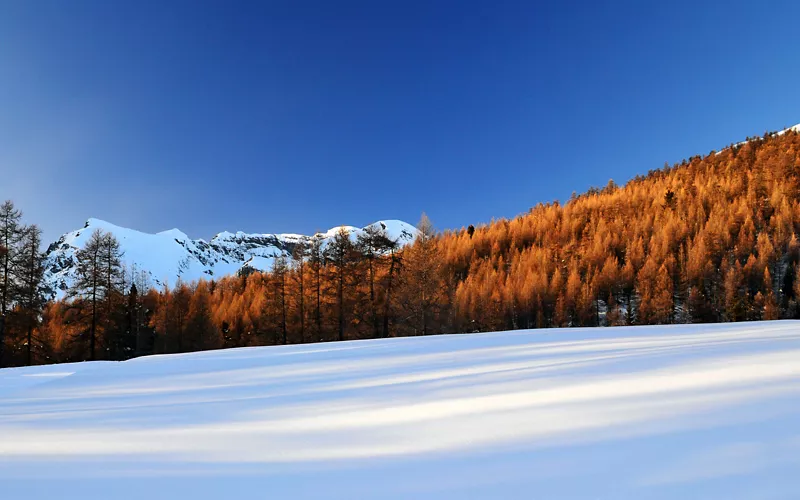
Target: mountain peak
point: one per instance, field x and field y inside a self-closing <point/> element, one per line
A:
<point x="93" y="222"/>
<point x="174" y="233"/>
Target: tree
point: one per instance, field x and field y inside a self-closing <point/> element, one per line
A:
<point x="279" y="271"/>
<point x="371" y="242"/>
<point x="203" y="332"/>
<point x="30" y="273"/>
<point x="339" y="254"/>
<point x="735" y="296"/>
<point x="115" y="314"/>
<point x="421" y="278"/>
<point x="130" y="340"/>
<point x="160" y="320"/>
<point x="10" y="234"/>
<point x="96" y="279"/>
<point x="181" y="298"/>
<point x="395" y="263"/>
<point x="771" y="309"/>
<point x="299" y="255"/>
<point x="662" y="300"/>
<point x="797" y="289"/>
<point x="669" y="200"/>
<point x="316" y="259"/>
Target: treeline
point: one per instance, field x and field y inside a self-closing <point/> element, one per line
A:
<point x="710" y="239"/>
<point x="350" y="287"/>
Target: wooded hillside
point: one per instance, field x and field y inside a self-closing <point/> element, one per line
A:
<point x="711" y="239"/>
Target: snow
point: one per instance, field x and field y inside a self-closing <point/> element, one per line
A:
<point x="162" y="255"/>
<point x="169" y="255"/>
<point x="796" y="128"/>
<point x="174" y="233"/>
<point x="689" y="411"/>
<point x="260" y="263"/>
<point x="15" y="380"/>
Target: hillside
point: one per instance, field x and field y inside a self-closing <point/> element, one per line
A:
<point x="709" y="239"/>
<point x="618" y="413"/>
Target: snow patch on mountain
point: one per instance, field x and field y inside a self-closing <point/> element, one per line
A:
<point x="168" y="256"/>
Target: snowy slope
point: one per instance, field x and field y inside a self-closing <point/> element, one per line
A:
<point x="701" y="411"/>
<point x="168" y="255"/>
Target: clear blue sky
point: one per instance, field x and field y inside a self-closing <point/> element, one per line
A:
<point x="295" y="116"/>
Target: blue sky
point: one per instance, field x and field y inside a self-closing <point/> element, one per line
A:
<point x="298" y="116"/>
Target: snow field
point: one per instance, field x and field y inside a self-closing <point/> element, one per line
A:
<point x="682" y="411"/>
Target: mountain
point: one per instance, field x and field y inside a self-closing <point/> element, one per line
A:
<point x="169" y="255"/>
<point x="712" y="238"/>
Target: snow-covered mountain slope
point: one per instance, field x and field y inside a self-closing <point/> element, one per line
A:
<point x="166" y="256"/>
<point x="666" y="412"/>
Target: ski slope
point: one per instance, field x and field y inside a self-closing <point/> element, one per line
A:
<point x="694" y="411"/>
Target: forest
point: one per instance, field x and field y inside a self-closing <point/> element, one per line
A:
<point x="710" y="239"/>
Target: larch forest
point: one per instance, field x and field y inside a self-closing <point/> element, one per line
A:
<point x="711" y="239"/>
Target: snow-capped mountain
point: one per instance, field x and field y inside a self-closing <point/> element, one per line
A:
<point x="169" y="255"/>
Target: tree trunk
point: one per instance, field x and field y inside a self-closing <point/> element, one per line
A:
<point x="387" y="303"/>
<point x="93" y="327"/>
<point x="4" y="299"/>
<point x="319" y="303"/>
<point x="2" y="336"/>
<point x="283" y="305"/>
<point x="302" y="305"/>
<point x="340" y="303"/>
<point x="373" y="307"/>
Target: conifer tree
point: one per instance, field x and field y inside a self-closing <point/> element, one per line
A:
<point x="797" y="289"/>
<point x="735" y="300"/>
<point x="339" y="255"/>
<point x="279" y="272"/>
<point x="299" y="256"/>
<point x="181" y="297"/>
<point x="395" y="264"/>
<point x="662" y="300"/>
<point x="160" y="321"/>
<point x="771" y="310"/>
<point x="31" y="294"/>
<point x="371" y="243"/>
<point x="10" y="234"/>
<point x="130" y="341"/>
<point x="204" y="334"/>
<point x="315" y="261"/>
<point x="421" y="279"/>
<point x="114" y="282"/>
<point x="96" y="279"/>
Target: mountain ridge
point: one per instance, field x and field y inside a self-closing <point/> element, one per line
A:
<point x="165" y="257"/>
